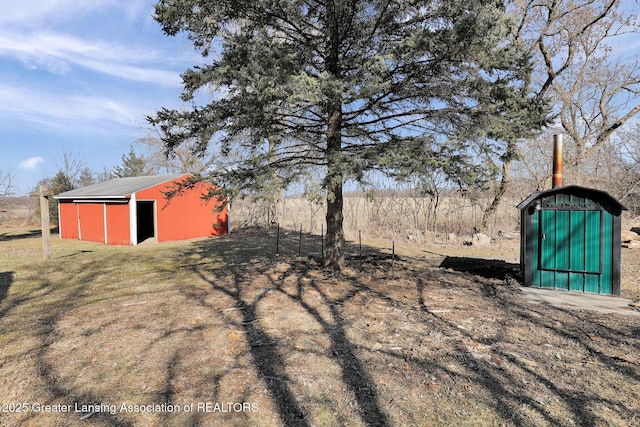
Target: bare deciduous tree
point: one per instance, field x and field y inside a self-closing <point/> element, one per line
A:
<point x="592" y="89"/>
<point x="623" y="167"/>
<point x="6" y="183"/>
<point x="70" y="169"/>
<point x="184" y="158"/>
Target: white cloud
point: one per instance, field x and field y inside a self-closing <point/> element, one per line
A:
<point x="75" y="67"/>
<point x="64" y="36"/>
<point x="56" y="53"/>
<point x="55" y="110"/>
<point x="133" y="73"/>
<point x="31" y="164"/>
<point x="36" y="13"/>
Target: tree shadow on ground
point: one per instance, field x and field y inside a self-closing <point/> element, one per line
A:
<point x="486" y="268"/>
<point x="489" y="283"/>
<point x="265" y="349"/>
<point x="579" y="330"/>
<point x="448" y="336"/>
<point x="6" y="279"/>
<point x="47" y="303"/>
<point x="6" y="237"/>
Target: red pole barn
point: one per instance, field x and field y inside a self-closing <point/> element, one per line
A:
<point x="128" y="211"/>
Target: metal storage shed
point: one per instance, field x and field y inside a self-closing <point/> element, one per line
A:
<point x="127" y="211"/>
<point x="570" y="240"/>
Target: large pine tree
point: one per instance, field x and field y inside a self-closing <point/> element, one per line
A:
<point x="345" y="86"/>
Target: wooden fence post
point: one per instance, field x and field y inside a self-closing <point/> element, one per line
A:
<point x="44" y="220"/>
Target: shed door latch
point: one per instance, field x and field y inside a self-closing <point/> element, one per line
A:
<point x="544" y="236"/>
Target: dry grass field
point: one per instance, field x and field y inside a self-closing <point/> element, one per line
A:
<point x="390" y="216"/>
<point x="221" y="332"/>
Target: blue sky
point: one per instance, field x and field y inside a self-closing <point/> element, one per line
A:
<point x="79" y="77"/>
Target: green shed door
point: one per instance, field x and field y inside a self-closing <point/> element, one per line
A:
<point x="570" y="249"/>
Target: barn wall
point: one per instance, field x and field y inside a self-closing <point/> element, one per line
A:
<point x="68" y="218"/>
<point x="91" y="221"/>
<point x="118" y="224"/>
<point x="186" y="215"/>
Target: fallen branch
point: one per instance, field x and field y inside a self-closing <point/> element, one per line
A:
<point x="134" y="303"/>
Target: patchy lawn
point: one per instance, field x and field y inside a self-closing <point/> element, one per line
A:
<point x="220" y="332"/>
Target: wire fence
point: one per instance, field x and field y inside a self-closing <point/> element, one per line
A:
<point x="296" y="242"/>
<point x="390" y="218"/>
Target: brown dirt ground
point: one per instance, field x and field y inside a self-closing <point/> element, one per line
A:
<point x="440" y="336"/>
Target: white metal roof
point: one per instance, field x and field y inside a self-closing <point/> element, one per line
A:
<point x="118" y="188"/>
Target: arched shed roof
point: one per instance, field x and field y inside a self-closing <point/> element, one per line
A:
<point x="604" y="199"/>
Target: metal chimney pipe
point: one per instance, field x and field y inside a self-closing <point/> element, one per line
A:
<point x="557" y="180"/>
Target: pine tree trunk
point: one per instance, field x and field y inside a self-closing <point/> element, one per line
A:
<point x="275" y="198"/>
<point x="334" y="257"/>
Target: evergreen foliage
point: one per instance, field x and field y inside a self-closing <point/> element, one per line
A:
<point x="60" y="183"/>
<point x="348" y="87"/>
<point x="132" y="165"/>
